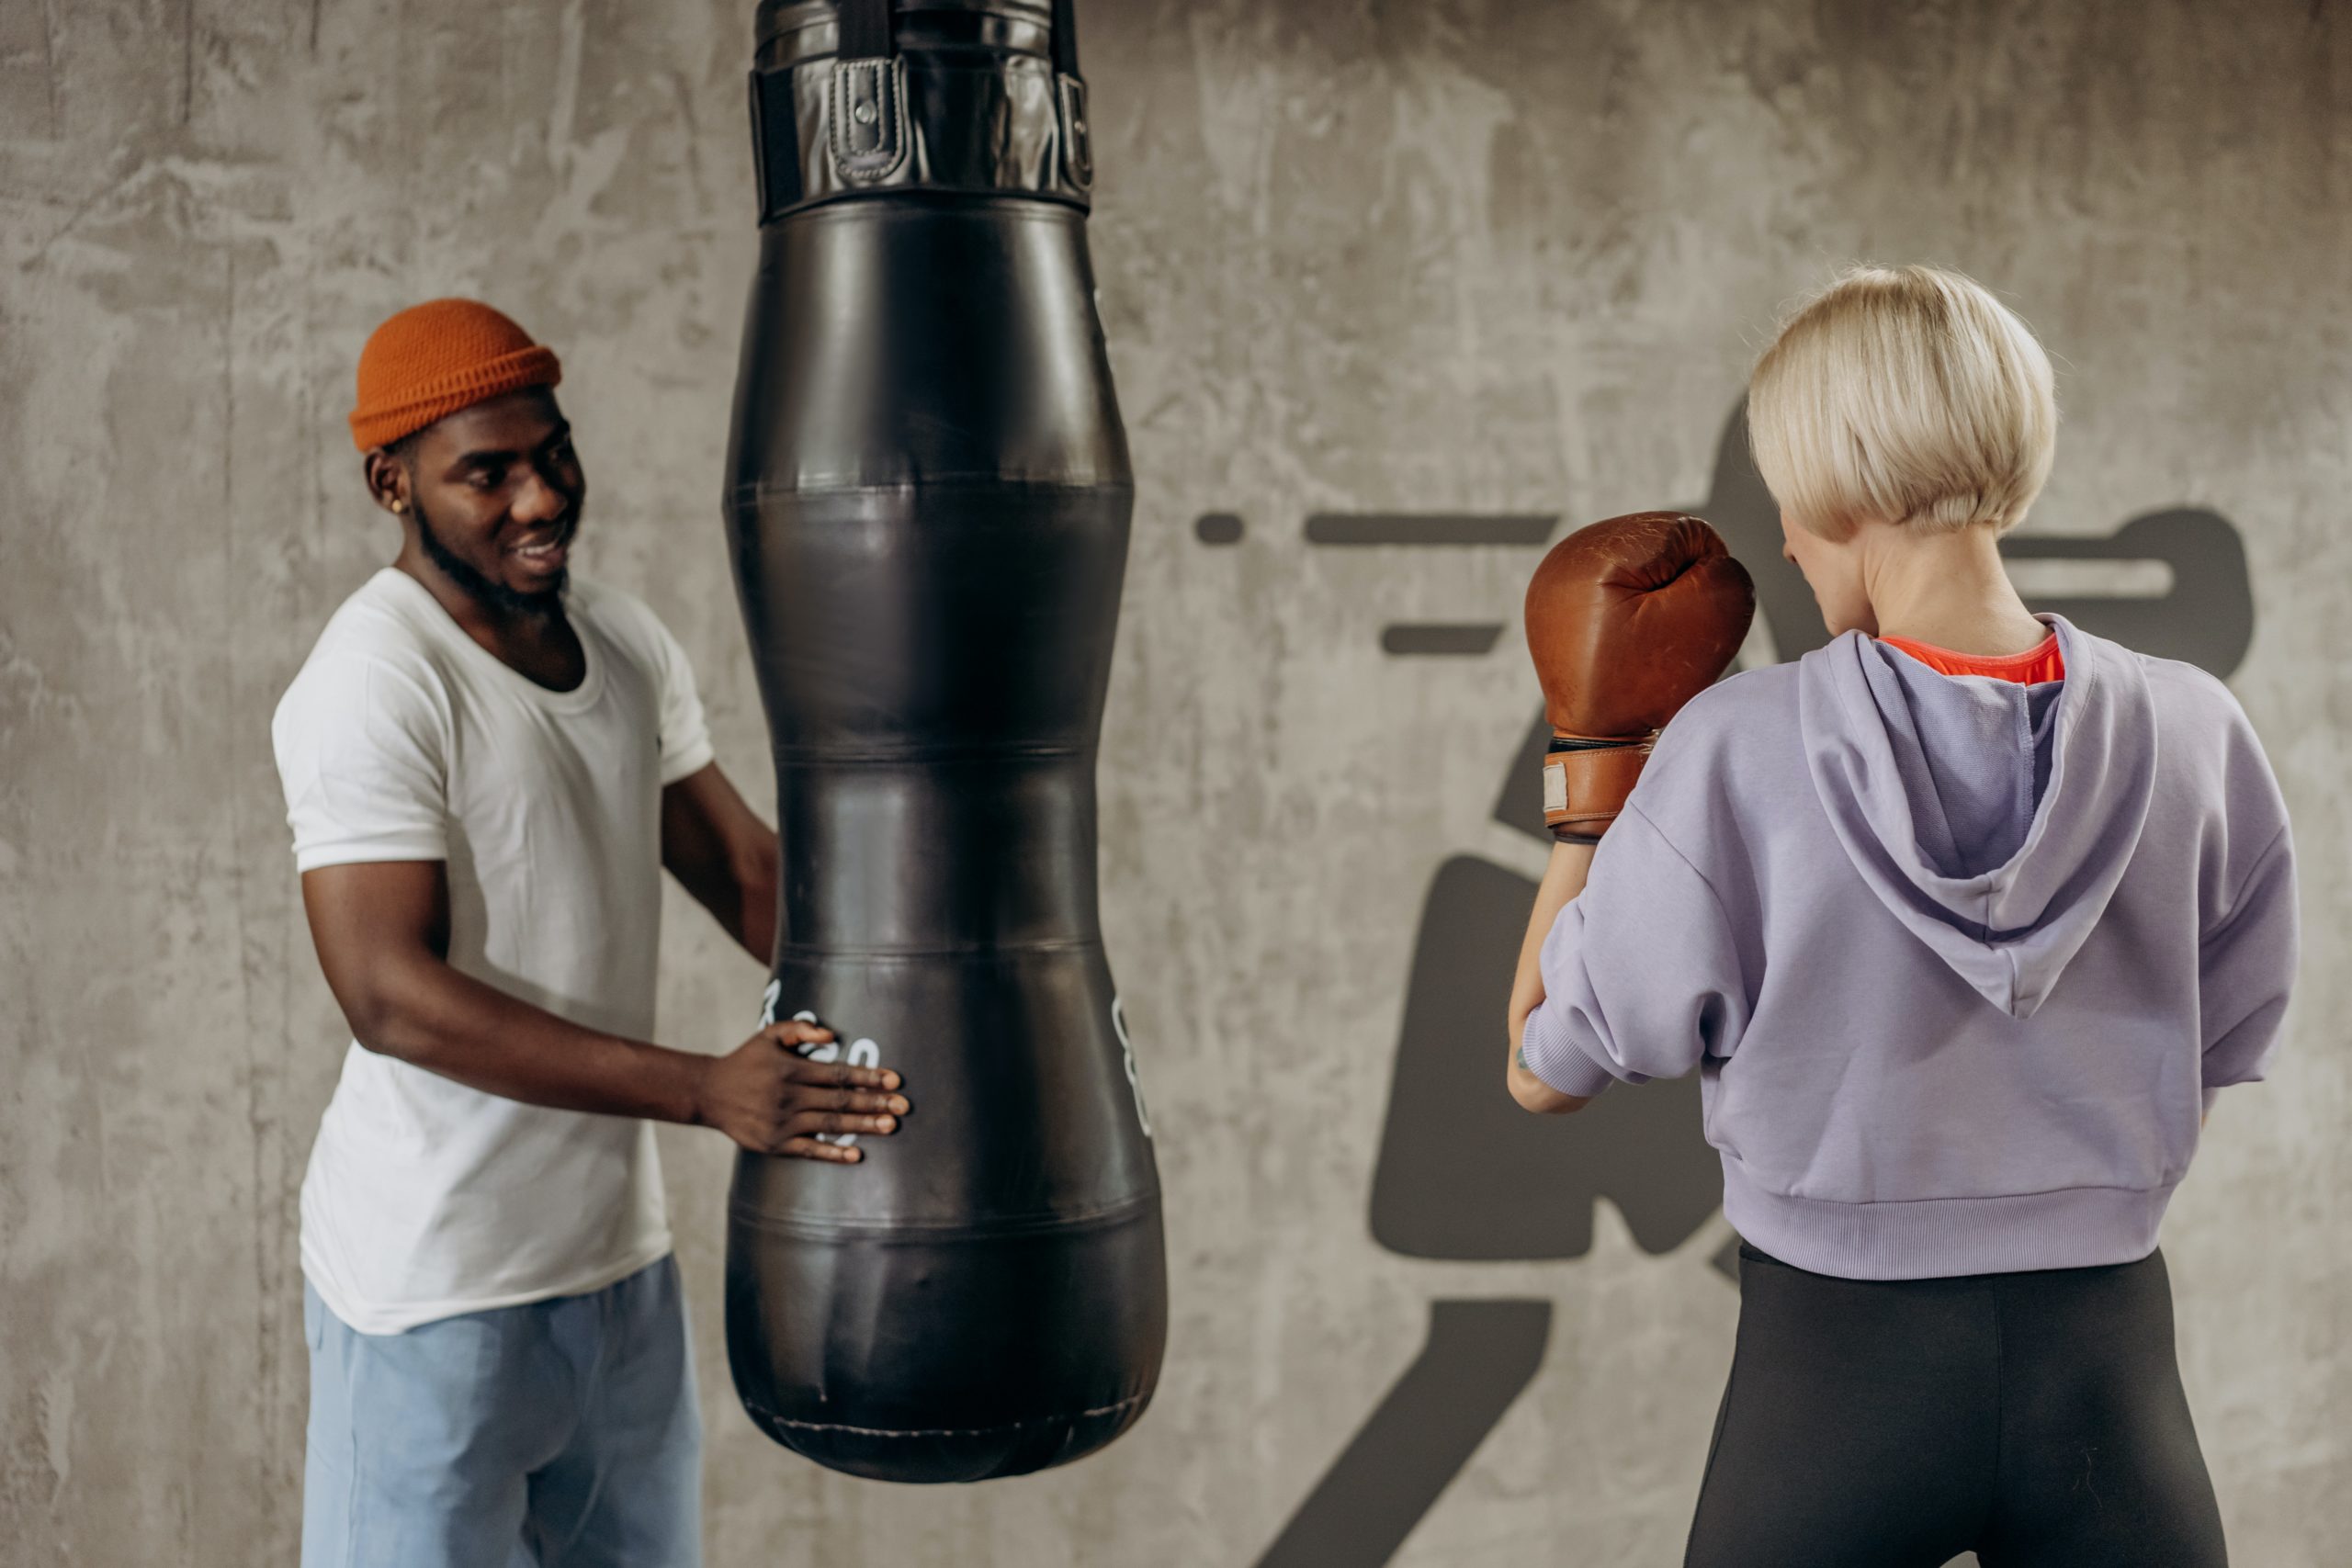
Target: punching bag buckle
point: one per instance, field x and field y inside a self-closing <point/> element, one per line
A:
<point x="868" y="118"/>
<point x="1078" y="139"/>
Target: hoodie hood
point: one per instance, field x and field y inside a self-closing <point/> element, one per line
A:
<point x="1993" y="819"/>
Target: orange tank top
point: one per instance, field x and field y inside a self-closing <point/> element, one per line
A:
<point x="2040" y="662"/>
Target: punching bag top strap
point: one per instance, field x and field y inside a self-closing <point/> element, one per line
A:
<point x="865" y="31"/>
<point x="858" y="99"/>
<point x="868" y="115"/>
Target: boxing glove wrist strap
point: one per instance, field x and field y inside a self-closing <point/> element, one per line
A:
<point x="1585" y="781"/>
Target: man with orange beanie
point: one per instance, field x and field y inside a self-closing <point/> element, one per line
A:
<point x="487" y="765"/>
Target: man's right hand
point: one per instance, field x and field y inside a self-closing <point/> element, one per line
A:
<point x="773" y="1101"/>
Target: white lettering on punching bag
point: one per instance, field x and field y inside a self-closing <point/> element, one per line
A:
<point x="863" y="1052"/>
<point x="1127" y="1049"/>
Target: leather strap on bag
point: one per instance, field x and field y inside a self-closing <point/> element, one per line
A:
<point x="866" y="118"/>
<point x="854" y="108"/>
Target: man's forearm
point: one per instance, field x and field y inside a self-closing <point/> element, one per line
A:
<point x="725" y="856"/>
<point x="740" y="897"/>
<point x="432" y="1016"/>
<point x="754" y="926"/>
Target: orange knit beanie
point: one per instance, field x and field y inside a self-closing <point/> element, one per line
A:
<point x="433" y="359"/>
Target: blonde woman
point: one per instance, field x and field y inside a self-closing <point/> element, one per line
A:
<point x="1963" y="919"/>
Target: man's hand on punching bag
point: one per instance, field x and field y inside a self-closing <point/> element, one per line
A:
<point x="773" y="1101"/>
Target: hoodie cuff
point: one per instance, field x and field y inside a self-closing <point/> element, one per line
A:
<point x="1554" y="1056"/>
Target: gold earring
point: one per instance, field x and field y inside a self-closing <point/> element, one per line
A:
<point x="399" y="507"/>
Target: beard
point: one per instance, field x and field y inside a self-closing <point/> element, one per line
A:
<point x="490" y="595"/>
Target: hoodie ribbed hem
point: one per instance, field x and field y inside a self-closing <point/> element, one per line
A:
<point x="1553" y="1054"/>
<point x="2077" y="1228"/>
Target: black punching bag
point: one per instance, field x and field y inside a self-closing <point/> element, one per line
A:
<point x="928" y="495"/>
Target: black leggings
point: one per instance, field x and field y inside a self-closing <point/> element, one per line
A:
<point x="2036" y="1419"/>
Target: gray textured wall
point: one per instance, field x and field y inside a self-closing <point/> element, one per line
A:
<point x="1353" y="257"/>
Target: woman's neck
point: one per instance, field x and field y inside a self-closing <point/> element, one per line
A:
<point x="1948" y="590"/>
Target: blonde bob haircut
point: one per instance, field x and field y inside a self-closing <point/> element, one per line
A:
<point x="1907" y="394"/>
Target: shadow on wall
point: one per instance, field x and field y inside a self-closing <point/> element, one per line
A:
<point x="1639" y="1148"/>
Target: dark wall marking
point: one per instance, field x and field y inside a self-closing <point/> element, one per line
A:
<point x="2206" y="619"/>
<point x="1464" y="1172"/>
<point x="1477" y="1358"/>
<point x="1428" y="528"/>
<point x="1438" y="638"/>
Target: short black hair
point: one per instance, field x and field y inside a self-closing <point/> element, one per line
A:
<point x="403" y="451"/>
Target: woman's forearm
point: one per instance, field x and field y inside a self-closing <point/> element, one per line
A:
<point x="1564" y="878"/>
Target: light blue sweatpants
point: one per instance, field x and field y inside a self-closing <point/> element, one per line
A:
<point x="561" y="1434"/>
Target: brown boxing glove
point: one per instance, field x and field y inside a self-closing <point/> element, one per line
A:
<point x="1627" y="620"/>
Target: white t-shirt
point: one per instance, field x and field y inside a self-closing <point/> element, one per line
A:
<point x="404" y="739"/>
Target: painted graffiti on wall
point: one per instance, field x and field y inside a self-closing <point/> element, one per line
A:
<point x="2171" y="582"/>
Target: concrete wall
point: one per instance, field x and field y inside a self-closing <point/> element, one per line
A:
<point x="1462" y="257"/>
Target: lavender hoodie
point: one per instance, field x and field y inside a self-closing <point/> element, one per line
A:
<point x="1961" y="962"/>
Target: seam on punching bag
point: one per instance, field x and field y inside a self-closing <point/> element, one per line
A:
<point x="930" y="484"/>
<point x="903" y="200"/>
<point x="885" y="952"/>
<point x="920" y="204"/>
<point x="974" y="750"/>
<point x="928" y="1232"/>
<point x="1132" y="1401"/>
